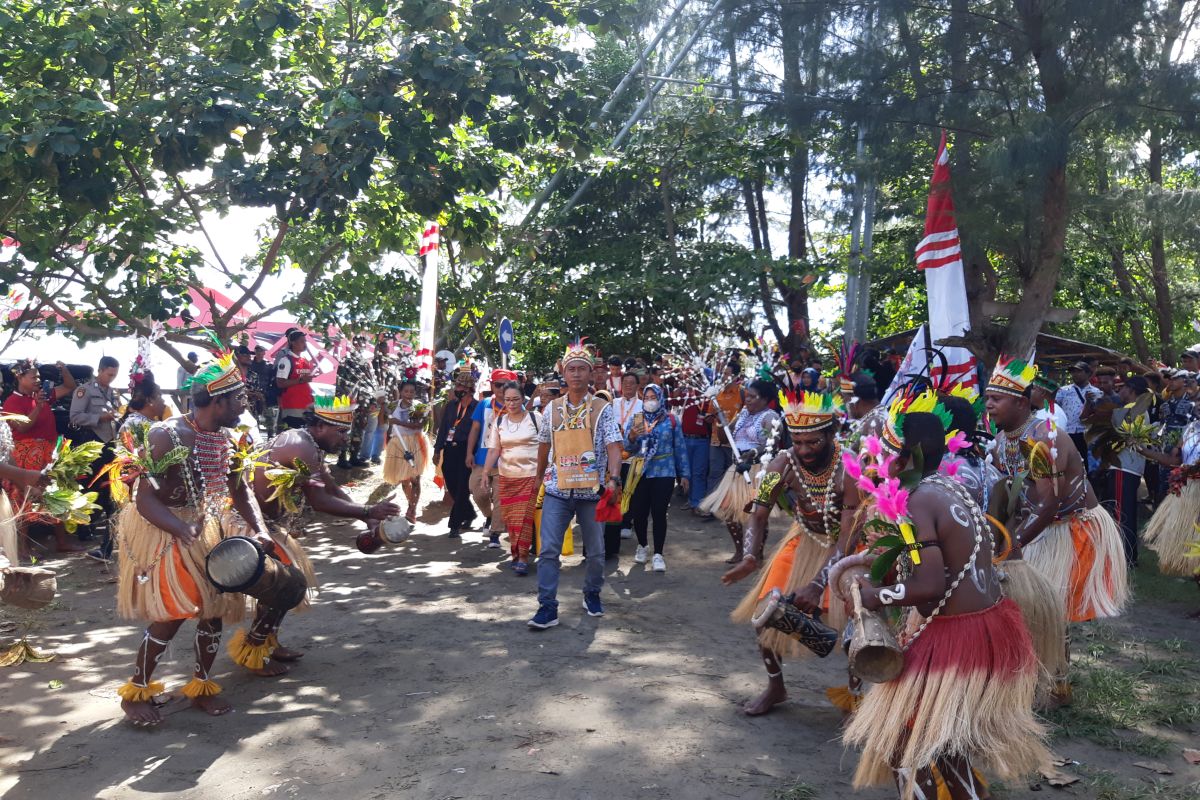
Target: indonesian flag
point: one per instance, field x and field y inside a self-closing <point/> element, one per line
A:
<point x="939" y="256"/>
<point x="429" y="286"/>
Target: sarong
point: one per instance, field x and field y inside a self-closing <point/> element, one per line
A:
<point x="176" y="585"/>
<point x="966" y="690"/>
<point x="396" y="468"/>
<point x="1083" y="558"/>
<point x="516" y="506"/>
<point x="791" y="566"/>
<point x="31" y="454"/>
<point x="1172" y="530"/>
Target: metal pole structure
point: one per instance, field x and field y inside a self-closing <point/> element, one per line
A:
<point x="617" y="93"/>
<point x="854" y="264"/>
<point x="864" y="274"/>
<point x="638" y="112"/>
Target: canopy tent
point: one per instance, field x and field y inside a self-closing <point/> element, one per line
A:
<point x="1054" y="352"/>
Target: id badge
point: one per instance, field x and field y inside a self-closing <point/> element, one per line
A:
<point x="450" y="433"/>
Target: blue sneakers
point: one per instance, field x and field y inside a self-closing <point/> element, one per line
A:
<point x="591" y="604"/>
<point x="546" y="617"/>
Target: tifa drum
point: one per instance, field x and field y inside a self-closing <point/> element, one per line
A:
<point x="776" y="611"/>
<point x="239" y="564"/>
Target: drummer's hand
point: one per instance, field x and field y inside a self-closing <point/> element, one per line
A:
<point x="869" y="593"/>
<point x="808" y="599"/>
<point x="266" y="543"/>
<point x="740" y="570"/>
<point x="382" y="511"/>
<point x="188" y="533"/>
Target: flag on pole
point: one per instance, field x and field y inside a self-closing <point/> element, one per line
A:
<point x="939" y="256"/>
<point x="429" y="283"/>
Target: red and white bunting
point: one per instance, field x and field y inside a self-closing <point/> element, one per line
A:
<point x="430" y="239"/>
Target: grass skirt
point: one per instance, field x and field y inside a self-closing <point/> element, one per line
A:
<point x="728" y="501"/>
<point x="1083" y="558"/>
<point x="177" y="585"/>
<point x="1172" y="529"/>
<point x="966" y="690"/>
<point x="396" y="469"/>
<point x="791" y="565"/>
<point x="1045" y="617"/>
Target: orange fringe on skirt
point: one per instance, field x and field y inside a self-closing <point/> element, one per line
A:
<point x="176" y="585"/>
<point x="1083" y="558"/>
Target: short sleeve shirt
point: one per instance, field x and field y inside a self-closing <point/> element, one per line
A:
<point x="42" y="428"/>
<point x="484" y="415"/>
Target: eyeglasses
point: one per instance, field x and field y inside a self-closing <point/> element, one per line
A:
<point x="513" y="399"/>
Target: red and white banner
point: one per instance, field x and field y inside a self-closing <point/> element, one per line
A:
<point x="430" y="240"/>
<point x="939" y="256"/>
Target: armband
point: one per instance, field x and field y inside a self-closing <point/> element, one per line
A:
<point x="766" y="488"/>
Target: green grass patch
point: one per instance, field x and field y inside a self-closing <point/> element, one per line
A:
<point x="798" y="790"/>
<point x="1126" y="691"/>
<point x="1107" y="786"/>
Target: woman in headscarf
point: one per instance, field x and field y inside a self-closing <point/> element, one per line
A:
<point x="655" y="436"/>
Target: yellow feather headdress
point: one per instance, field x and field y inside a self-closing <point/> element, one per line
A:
<point x="809" y="411"/>
<point x="335" y="410"/>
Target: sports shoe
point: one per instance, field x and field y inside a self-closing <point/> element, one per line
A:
<point x="494" y="541"/>
<point x="626" y="533"/>
<point x="658" y="563"/>
<point x="591" y="603"/>
<point x="546" y="617"/>
<point x="487" y="529"/>
<point x="639" y="557"/>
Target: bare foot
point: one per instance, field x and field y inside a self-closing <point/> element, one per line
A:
<point x="773" y="696"/>
<point x="272" y="669"/>
<point x="281" y="653"/>
<point x="213" y="705"/>
<point x="142" y="715"/>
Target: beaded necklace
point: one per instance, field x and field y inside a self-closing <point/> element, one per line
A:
<point x="212" y="458"/>
<point x="819" y="487"/>
<point x="1013" y="460"/>
<point x="980" y="525"/>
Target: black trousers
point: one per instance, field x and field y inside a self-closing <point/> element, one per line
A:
<point x="612" y="530"/>
<point x="1123" y="489"/>
<point x="458" y="482"/>
<point x="651" y="500"/>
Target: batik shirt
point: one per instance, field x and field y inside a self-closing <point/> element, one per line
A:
<point x="1071" y="400"/>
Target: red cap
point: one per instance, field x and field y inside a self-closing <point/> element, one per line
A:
<point x="501" y="375"/>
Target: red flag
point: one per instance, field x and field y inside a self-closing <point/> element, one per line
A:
<point x="939" y="256"/>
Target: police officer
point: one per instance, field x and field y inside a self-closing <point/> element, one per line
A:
<point x="94" y="414"/>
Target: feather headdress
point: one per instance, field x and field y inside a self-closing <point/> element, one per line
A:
<point x="844" y="358"/>
<point x="335" y="410"/>
<point x="578" y="351"/>
<point x="1012" y="376"/>
<point x="809" y="411"/>
<point x="218" y="376"/>
<point x="925" y="402"/>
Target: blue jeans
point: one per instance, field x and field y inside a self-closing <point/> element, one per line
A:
<point x="556" y="516"/>
<point x="697" y="450"/>
<point x="367" y="451"/>
<point x="720" y="459"/>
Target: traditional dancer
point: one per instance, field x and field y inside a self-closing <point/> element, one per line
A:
<point x="1171" y="532"/>
<point x="752" y="429"/>
<point x="807" y="481"/>
<point x="326" y="431"/>
<point x="965" y="694"/>
<point x="1058" y="527"/>
<point x="407" y="452"/>
<point x="166" y="533"/>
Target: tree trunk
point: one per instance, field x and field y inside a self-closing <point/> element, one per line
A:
<point x="794" y="294"/>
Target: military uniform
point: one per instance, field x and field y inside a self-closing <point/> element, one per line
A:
<point x="90" y="401"/>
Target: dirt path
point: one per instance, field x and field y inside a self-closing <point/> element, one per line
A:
<point x="422" y="680"/>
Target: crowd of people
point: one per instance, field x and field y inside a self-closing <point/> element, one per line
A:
<point x="977" y="527"/>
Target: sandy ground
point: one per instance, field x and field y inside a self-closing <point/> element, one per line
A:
<point x="422" y="680"/>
